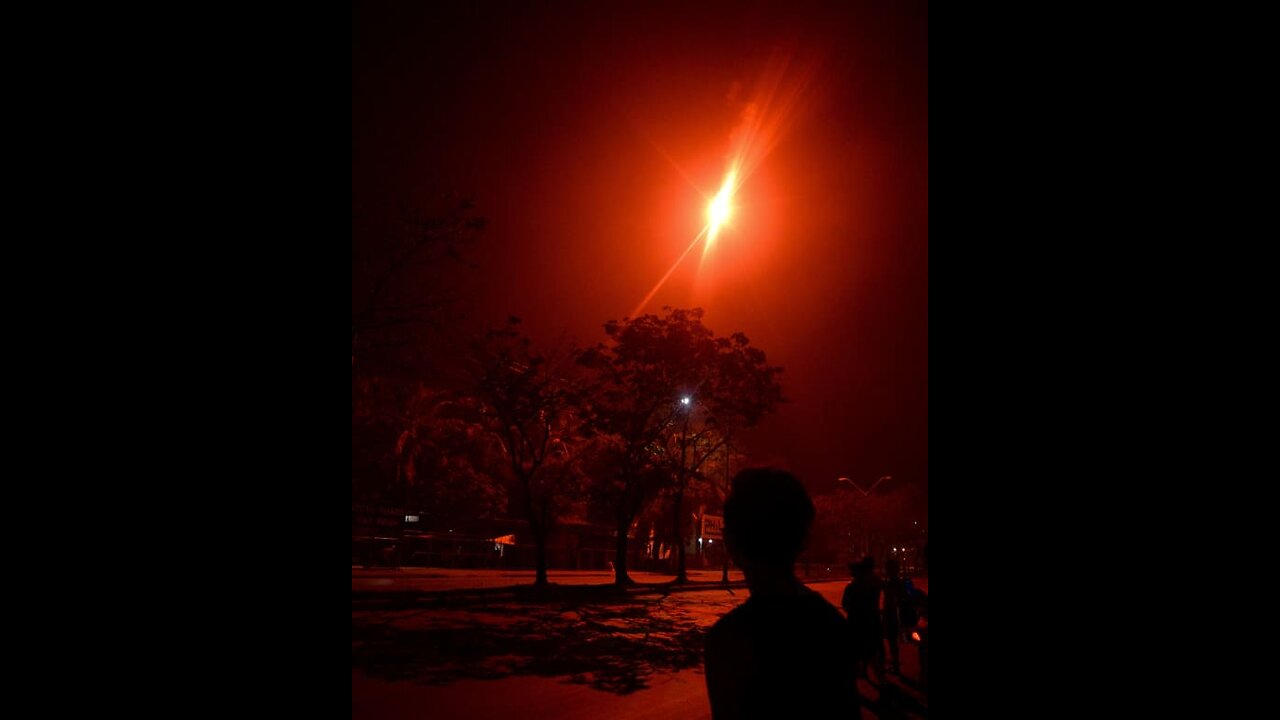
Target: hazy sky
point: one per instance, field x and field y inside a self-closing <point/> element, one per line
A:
<point x="592" y="139"/>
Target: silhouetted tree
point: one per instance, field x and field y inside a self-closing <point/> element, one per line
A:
<point x="402" y="289"/>
<point x="403" y="310"/>
<point x="850" y="524"/>
<point x="531" y="406"/>
<point x="672" y="393"/>
<point x="423" y="449"/>
<point x="735" y="388"/>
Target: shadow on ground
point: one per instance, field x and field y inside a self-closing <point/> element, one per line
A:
<point x="613" y="642"/>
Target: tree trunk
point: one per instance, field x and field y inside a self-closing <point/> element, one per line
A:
<point x="681" y="576"/>
<point x="620" y="576"/>
<point x="540" y="555"/>
<point x="539" y="531"/>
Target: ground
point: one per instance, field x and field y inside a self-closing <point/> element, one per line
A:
<point x="482" y="643"/>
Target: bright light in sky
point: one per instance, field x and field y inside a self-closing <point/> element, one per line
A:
<point x="755" y="136"/>
<point x="719" y="210"/>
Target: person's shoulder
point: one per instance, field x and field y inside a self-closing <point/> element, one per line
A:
<point x="730" y="622"/>
<point x="811" y="595"/>
<point x="730" y="635"/>
<point x="820" y="604"/>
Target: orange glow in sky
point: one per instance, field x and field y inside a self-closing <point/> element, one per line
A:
<point x="760" y="127"/>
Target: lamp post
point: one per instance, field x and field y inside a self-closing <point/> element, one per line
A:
<point x="868" y="491"/>
<point x="866" y="528"/>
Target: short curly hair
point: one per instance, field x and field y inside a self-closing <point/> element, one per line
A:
<point x="767" y="516"/>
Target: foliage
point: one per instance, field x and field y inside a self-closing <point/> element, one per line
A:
<point x="531" y="407"/>
<point x="672" y="394"/>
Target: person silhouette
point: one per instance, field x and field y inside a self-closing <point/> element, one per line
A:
<point x="785" y="651"/>
<point x="861" y="602"/>
<point x="894" y="598"/>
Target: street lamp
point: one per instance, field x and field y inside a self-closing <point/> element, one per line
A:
<point x="879" y="480"/>
<point x="866" y="492"/>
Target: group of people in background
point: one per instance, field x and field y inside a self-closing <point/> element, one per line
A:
<point x="873" y="623"/>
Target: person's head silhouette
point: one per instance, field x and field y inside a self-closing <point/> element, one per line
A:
<point x="785" y="651"/>
<point x="863" y="569"/>
<point x="766" y="522"/>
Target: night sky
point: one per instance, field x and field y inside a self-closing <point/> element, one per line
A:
<point x="592" y="138"/>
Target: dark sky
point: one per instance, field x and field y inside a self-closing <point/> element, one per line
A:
<point x="592" y="137"/>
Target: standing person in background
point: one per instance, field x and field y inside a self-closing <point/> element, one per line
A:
<point x="894" y="596"/>
<point x="861" y="603"/>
